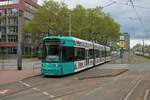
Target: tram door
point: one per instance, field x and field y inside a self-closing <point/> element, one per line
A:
<point x="87" y="56"/>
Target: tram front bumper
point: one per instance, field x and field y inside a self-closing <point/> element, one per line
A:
<point x="51" y="71"/>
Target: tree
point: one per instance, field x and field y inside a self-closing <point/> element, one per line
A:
<point x="53" y="19"/>
<point x="49" y="19"/>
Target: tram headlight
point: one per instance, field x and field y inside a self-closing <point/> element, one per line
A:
<point x="57" y="65"/>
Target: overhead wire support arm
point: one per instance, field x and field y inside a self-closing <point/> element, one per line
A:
<point x="109" y="4"/>
<point x="127" y="4"/>
<point x="138" y="17"/>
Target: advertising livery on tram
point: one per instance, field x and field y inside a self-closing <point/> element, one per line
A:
<point x="65" y="55"/>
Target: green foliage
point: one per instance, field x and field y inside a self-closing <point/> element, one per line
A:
<point x="86" y="23"/>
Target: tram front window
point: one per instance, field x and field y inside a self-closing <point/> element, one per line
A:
<point x="51" y="53"/>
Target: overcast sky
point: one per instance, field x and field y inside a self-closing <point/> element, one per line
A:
<point x="135" y="21"/>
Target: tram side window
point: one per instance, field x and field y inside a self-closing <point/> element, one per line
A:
<point x="103" y="53"/>
<point x="97" y="53"/>
<point x="108" y="53"/>
<point x="79" y="54"/>
<point x="67" y="54"/>
<point x="91" y="55"/>
<point x="100" y="55"/>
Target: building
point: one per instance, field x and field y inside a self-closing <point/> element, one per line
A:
<point x="9" y="18"/>
<point x="127" y="41"/>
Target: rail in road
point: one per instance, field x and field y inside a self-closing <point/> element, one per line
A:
<point x="127" y="86"/>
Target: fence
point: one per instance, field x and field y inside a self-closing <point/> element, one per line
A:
<point x="36" y="66"/>
<point x="7" y="62"/>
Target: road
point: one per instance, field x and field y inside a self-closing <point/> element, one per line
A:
<point x="130" y="85"/>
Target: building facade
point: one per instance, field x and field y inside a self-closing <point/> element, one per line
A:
<point x="9" y="23"/>
<point x="127" y="41"/>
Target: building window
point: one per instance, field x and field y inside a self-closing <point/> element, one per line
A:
<point x="13" y="30"/>
<point x="2" y="12"/>
<point x="28" y="15"/>
<point x="12" y="38"/>
<point x="3" y="39"/>
<point x="12" y="12"/>
<point x="8" y="2"/>
<point x="2" y="29"/>
<point x="12" y="50"/>
<point x="2" y="21"/>
<point x="13" y="21"/>
<point x="34" y="1"/>
<point x="27" y="5"/>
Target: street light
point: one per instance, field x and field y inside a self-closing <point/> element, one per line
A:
<point x="69" y="24"/>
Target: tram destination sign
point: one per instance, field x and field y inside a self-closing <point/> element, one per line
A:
<point x="121" y="38"/>
<point x="52" y="42"/>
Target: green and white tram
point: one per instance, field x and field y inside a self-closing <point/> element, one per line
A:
<point x="65" y="55"/>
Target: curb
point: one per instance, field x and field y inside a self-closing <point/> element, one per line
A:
<point x="3" y="84"/>
<point x="103" y="76"/>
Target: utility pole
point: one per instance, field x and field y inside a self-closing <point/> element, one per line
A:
<point x="19" y="51"/>
<point x="143" y="47"/>
<point x="122" y="45"/>
<point x="69" y="24"/>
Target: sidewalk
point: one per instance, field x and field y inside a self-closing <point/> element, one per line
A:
<point x="10" y="76"/>
<point x="9" y="72"/>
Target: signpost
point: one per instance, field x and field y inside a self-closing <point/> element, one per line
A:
<point x="0" y="35"/>
<point x="122" y="46"/>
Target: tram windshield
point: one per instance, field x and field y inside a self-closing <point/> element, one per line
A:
<point x="51" y="51"/>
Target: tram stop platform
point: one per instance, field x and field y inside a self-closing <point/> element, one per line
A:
<point x="99" y="72"/>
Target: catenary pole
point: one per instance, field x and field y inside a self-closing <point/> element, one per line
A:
<point x="19" y="51"/>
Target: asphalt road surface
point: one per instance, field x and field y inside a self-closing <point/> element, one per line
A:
<point x="131" y="85"/>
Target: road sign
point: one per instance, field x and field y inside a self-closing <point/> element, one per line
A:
<point x="121" y="38"/>
<point x="122" y="44"/>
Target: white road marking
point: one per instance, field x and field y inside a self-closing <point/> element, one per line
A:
<point x="20" y="81"/>
<point x="45" y="93"/>
<point x="26" y="84"/>
<point x="36" y="89"/>
<point x="146" y="94"/>
<point x="52" y="96"/>
<point x="128" y="95"/>
<point x="59" y="99"/>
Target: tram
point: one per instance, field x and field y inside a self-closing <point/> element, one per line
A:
<point x="63" y="55"/>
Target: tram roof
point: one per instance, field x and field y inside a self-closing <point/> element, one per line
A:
<point x="60" y="37"/>
<point x="72" y="39"/>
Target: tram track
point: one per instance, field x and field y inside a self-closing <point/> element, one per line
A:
<point x="93" y="89"/>
<point x="39" y="81"/>
<point x="135" y="83"/>
<point x="55" y="89"/>
<point x="118" y="88"/>
<point x="68" y="86"/>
